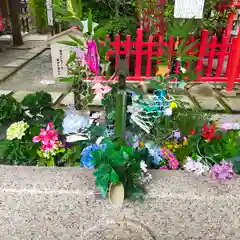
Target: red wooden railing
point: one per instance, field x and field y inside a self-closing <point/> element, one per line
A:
<point x="210" y="53"/>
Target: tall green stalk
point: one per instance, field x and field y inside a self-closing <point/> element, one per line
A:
<point x="121" y="107"/>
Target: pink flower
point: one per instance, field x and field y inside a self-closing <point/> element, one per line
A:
<point x="173" y="163"/>
<point x="92" y="57"/>
<point x="49" y="146"/>
<point x="222" y="171"/>
<point x="47" y="135"/>
<point x="163" y="168"/>
<point x="100" y="90"/>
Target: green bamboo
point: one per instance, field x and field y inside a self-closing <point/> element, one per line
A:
<point x="120" y="117"/>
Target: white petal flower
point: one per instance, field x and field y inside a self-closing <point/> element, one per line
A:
<point x="143" y="166"/>
<point x="168" y="112"/>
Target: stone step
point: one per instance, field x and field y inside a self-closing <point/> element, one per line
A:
<point x="177" y="205"/>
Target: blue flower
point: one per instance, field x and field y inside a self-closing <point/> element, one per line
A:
<point x="86" y="155"/>
<point x="156" y="154"/>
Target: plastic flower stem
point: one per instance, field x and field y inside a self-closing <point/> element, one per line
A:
<point x="120" y="117"/>
<point x="200" y="154"/>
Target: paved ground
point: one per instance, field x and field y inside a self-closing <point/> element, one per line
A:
<point x="59" y="203"/>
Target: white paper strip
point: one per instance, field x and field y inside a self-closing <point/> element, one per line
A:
<point x="188" y="9"/>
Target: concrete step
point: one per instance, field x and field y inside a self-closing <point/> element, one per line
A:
<point x="59" y="203"/>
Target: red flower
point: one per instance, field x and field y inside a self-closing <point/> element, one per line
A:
<point x="208" y="132"/>
<point x="192" y="132"/>
<point x="218" y="136"/>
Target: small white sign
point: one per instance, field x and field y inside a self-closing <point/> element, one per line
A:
<point x="60" y="54"/>
<point x="49" y="12"/>
<point x="188" y="9"/>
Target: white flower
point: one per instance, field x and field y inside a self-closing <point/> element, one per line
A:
<point x="99" y="140"/>
<point x="236" y="126"/>
<point x="196" y="166"/>
<point x="143" y="166"/>
<point x="17" y="130"/>
<point x="168" y="112"/>
<point x="183" y="70"/>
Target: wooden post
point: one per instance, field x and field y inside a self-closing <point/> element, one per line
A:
<point x="14" y="8"/>
<point x="235" y="62"/>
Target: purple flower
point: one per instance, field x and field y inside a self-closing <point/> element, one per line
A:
<point x="222" y="171"/>
<point x="177" y="134"/>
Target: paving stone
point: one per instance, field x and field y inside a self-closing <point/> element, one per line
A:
<point x="28" y="56"/>
<point x="19" y="95"/>
<point x="68" y="99"/>
<point x="5" y="92"/>
<point x="38" y="49"/>
<point x="55" y="96"/>
<point x="233" y="103"/>
<point x="209" y="103"/>
<point x="185" y="99"/>
<point x="5" y="72"/>
<point x="16" y="63"/>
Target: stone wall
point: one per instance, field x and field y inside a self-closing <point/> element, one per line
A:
<point x="59" y="203"/>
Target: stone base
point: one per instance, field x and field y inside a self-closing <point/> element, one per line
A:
<point x="226" y="93"/>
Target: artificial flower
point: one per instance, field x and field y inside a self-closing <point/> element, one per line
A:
<point x="163" y="168"/>
<point x="17" y="130"/>
<point x="92" y="57"/>
<point x="185" y="141"/>
<point x="167" y="112"/>
<point x="236" y="126"/>
<point x="100" y="90"/>
<point x="222" y="171"/>
<point x="192" y="132"/>
<point x="156" y="154"/>
<point x="177" y="134"/>
<point x="86" y="155"/>
<point x="47" y="135"/>
<point x="141" y="144"/>
<point x="173" y="163"/>
<point x="217" y="136"/>
<point x="143" y="166"/>
<point x="208" y="131"/>
<point x="173" y="105"/>
<point x="196" y="166"/>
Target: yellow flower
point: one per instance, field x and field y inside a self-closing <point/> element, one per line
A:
<point x="185" y="142"/>
<point x="141" y="144"/>
<point x="173" y="105"/>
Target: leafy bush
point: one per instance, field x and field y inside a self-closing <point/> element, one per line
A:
<point x="10" y="109"/>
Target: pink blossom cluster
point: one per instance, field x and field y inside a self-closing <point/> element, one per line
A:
<point x="48" y="137"/>
<point x="169" y="156"/>
<point x="222" y="171"/>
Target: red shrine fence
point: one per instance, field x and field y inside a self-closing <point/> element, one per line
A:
<point x="213" y="65"/>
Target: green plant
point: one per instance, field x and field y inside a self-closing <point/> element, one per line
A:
<point x="118" y="164"/>
<point x="38" y="10"/>
<point x="10" y="109"/>
<point x="38" y="108"/>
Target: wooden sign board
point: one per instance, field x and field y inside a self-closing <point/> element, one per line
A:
<point x="188" y="9"/>
<point x="60" y="54"/>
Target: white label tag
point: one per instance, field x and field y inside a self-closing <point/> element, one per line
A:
<point x="188" y="9"/>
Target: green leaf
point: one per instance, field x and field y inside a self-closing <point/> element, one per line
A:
<point x="77" y="40"/>
<point x="68" y="43"/>
<point x="114" y="178"/>
<point x="72" y="57"/>
<point x="66" y="79"/>
<point x="90" y="22"/>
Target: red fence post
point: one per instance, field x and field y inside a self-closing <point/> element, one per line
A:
<point x="138" y="62"/>
<point x="202" y="50"/>
<point x="117" y="47"/>
<point x="149" y="56"/>
<point x="235" y="62"/>
<point x="211" y="55"/>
